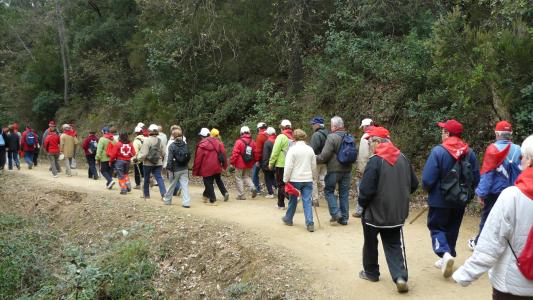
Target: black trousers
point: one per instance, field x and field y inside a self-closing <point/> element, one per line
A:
<point x="392" y="245"/>
<point x="138" y="173"/>
<point x="497" y="295"/>
<point x="270" y="181"/>
<point x="220" y="184"/>
<point x="36" y="156"/>
<point x="2" y="157"/>
<point x="281" y="186"/>
<point x="209" y="189"/>
<point x="91" y="162"/>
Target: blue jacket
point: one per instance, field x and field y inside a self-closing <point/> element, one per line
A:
<point x="438" y="164"/>
<point x="495" y="181"/>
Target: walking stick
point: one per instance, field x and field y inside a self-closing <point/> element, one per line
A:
<point x="317" y="218"/>
<point x="419" y="214"/>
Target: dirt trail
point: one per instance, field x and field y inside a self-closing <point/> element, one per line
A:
<point x="332" y="254"/>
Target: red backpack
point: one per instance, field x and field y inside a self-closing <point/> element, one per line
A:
<point x="525" y="260"/>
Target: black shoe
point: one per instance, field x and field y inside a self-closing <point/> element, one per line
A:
<point x="364" y="275"/>
<point x="336" y="218"/>
<point x="226" y="197"/>
<point x="287" y="222"/>
<point x="185" y="206"/>
<point x="311" y="228"/>
<point x="401" y="285"/>
<point x="342" y="222"/>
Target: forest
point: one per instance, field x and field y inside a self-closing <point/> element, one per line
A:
<point x="205" y="63"/>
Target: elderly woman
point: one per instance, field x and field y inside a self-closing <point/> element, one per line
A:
<point x="506" y="231"/>
<point x="68" y="143"/>
<point x="300" y="165"/>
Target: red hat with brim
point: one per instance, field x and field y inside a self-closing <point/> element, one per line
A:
<point x="452" y="126"/>
<point x="291" y="190"/>
<point x="377" y="131"/>
<point x="504" y="126"/>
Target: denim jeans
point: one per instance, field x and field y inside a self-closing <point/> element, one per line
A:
<point x="106" y="171"/>
<point x="13" y="156"/>
<point x="306" y="189"/>
<point x="156" y="171"/>
<point x="343" y="180"/>
<point x="255" y="177"/>
<point x="171" y="177"/>
<point x="28" y="158"/>
<point x="91" y="162"/>
<point x="181" y="179"/>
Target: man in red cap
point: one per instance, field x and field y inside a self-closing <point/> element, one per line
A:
<point x="384" y="192"/>
<point x="501" y="167"/>
<point x="448" y="195"/>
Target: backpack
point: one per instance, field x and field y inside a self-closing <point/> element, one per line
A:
<point x="220" y="155"/>
<point x="525" y="261"/>
<point x="30" y="139"/>
<point x="109" y="149"/>
<point x="347" y="151"/>
<point x="154" y="153"/>
<point x="514" y="167"/>
<point x="248" y="154"/>
<point x="182" y="155"/>
<point x="457" y="186"/>
<point x="93" y="145"/>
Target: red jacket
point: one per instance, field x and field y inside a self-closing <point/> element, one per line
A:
<point x="260" y="140"/>
<point x="25" y="146"/>
<point x="206" y="161"/>
<point x="85" y="144"/>
<point x="51" y="143"/>
<point x="238" y="151"/>
<point x="122" y="151"/>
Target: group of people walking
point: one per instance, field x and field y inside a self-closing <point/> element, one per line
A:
<point x="296" y="167"/>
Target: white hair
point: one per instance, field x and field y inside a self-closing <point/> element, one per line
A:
<point x="337" y="122"/>
<point x="507" y="135"/>
<point x="527" y="147"/>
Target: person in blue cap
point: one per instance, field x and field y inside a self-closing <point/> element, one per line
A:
<point x="318" y="139"/>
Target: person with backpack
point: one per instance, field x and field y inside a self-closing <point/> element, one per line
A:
<point x="29" y="142"/>
<point x="500" y="168"/>
<point x="12" y="148"/>
<point x="68" y="144"/>
<point x="300" y="165"/>
<point x="152" y="154"/>
<point x="215" y="134"/>
<point x="450" y="176"/>
<point x="270" y="179"/>
<point x="90" y="146"/>
<point x="243" y="159"/>
<point x="209" y="161"/>
<point x="102" y="158"/>
<point x="318" y="140"/>
<point x="178" y="166"/>
<point x="259" y="142"/>
<point x="363" y="157"/>
<point x="52" y="147"/>
<point x="339" y="153"/>
<point x="277" y="159"/>
<point x="384" y="193"/>
<point x="138" y="165"/>
<point x="505" y="246"/>
<point x="3" y="154"/>
<point x="120" y="158"/>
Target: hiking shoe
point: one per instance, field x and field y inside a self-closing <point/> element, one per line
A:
<point x="365" y="276"/>
<point x="254" y="193"/>
<point x="145" y="197"/>
<point x="137" y="187"/>
<point x="226" y="197"/>
<point x="438" y="264"/>
<point x="336" y="218"/>
<point x="108" y="186"/>
<point x="447" y="265"/>
<point x="358" y="212"/>
<point x="185" y="206"/>
<point x="212" y="203"/>
<point x="123" y="192"/>
<point x="167" y="202"/>
<point x="342" y="222"/>
<point x="30" y="167"/>
<point x="286" y="222"/>
<point x="269" y="196"/>
<point x="401" y="285"/>
<point x="472" y="244"/>
<point x="55" y="176"/>
<point x="311" y="228"/>
<point x="240" y="198"/>
<point x="205" y="199"/>
<point x="280" y="207"/>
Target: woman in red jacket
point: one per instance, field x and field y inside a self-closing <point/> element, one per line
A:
<point x="243" y="158"/>
<point x="51" y="146"/>
<point x="209" y="159"/>
<point x="122" y="152"/>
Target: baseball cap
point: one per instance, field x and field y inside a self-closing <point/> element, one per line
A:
<point x="140" y="124"/>
<point x="377" y="131"/>
<point x="504" y="126"/>
<point x="261" y="125"/>
<point x="271" y="131"/>
<point x="366" y="122"/>
<point x="105" y="130"/>
<point x="52" y="123"/>
<point x="452" y="126"/>
<point x="153" y="127"/>
<point x="317" y="120"/>
<point x="215" y="132"/>
<point x="286" y="123"/>
<point x="204" y="132"/>
<point x="245" y="129"/>
<point x="138" y="129"/>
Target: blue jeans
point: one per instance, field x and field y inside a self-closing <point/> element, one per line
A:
<point x="343" y="180"/>
<point x="28" y="158"/>
<point x="179" y="179"/>
<point x="443" y="225"/>
<point x="156" y="171"/>
<point x="13" y="156"/>
<point x="255" y="177"/>
<point x="106" y="171"/>
<point x="306" y="189"/>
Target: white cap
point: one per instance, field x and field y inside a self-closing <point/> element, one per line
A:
<point x="261" y="124"/>
<point x="153" y="127"/>
<point x="138" y="129"/>
<point x="271" y="131"/>
<point x="286" y="123"/>
<point x="366" y="122"/>
<point x="140" y="124"/>
<point x="245" y="129"/>
<point x="204" y="132"/>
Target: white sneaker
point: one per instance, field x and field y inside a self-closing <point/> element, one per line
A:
<point x="447" y="265"/>
<point x="472" y="244"/>
<point x="438" y="264"/>
<point x="55" y="176"/>
<point x="269" y="196"/>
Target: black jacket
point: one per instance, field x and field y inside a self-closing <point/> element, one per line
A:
<point x="12" y="141"/>
<point x="385" y="190"/>
<point x="172" y="164"/>
<point x="318" y="139"/>
<point x="267" y="151"/>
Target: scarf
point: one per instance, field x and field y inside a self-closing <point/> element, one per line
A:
<point x="388" y="152"/>
<point x="109" y="136"/>
<point x="493" y="158"/>
<point x="70" y="132"/>
<point x="288" y="133"/>
<point x="524" y="182"/>
<point x="455" y="146"/>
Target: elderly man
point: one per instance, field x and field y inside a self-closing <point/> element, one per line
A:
<point x="363" y="156"/>
<point x="338" y="173"/>
<point x="152" y="153"/>
<point x="386" y="186"/>
<point x="67" y="145"/>
<point x="501" y="167"/>
<point x="318" y="140"/>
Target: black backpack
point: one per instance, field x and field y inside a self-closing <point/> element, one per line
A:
<point x="182" y="154"/>
<point x="457" y="186"/>
<point x="154" y="153"/>
<point x="248" y="154"/>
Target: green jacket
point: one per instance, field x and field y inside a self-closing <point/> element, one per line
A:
<point x="101" y="154"/>
<point x="281" y="146"/>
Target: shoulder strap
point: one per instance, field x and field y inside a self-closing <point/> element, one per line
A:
<point x="512" y="250"/>
<point x="214" y="146"/>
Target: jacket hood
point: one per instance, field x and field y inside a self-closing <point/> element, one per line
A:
<point x="455" y="146"/>
<point x="272" y="138"/>
<point x="388" y="152"/>
<point x="179" y="142"/>
<point x="246" y="137"/>
<point x="524" y="182"/>
<point x="288" y="133"/>
<point x="493" y="158"/>
<point x="109" y="136"/>
<point x="208" y="144"/>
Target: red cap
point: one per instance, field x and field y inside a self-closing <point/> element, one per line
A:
<point x="503" y="126"/>
<point x="52" y="123"/>
<point x="381" y="132"/>
<point x="452" y="126"/>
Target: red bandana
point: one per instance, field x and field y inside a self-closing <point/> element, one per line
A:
<point x="288" y="133"/>
<point x="388" y="152"/>
<point x="456" y="147"/>
<point x="493" y="158"/>
<point x="524" y="182"/>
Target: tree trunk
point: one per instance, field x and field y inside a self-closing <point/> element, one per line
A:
<point x="501" y="110"/>
<point x="64" y="52"/>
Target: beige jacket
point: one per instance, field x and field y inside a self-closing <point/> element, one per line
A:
<point x="149" y="142"/>
<point x="67" y="145"/>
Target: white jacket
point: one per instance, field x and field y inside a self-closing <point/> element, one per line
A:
<point x="510" y="219"/>
<point x="300" y="163"/>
